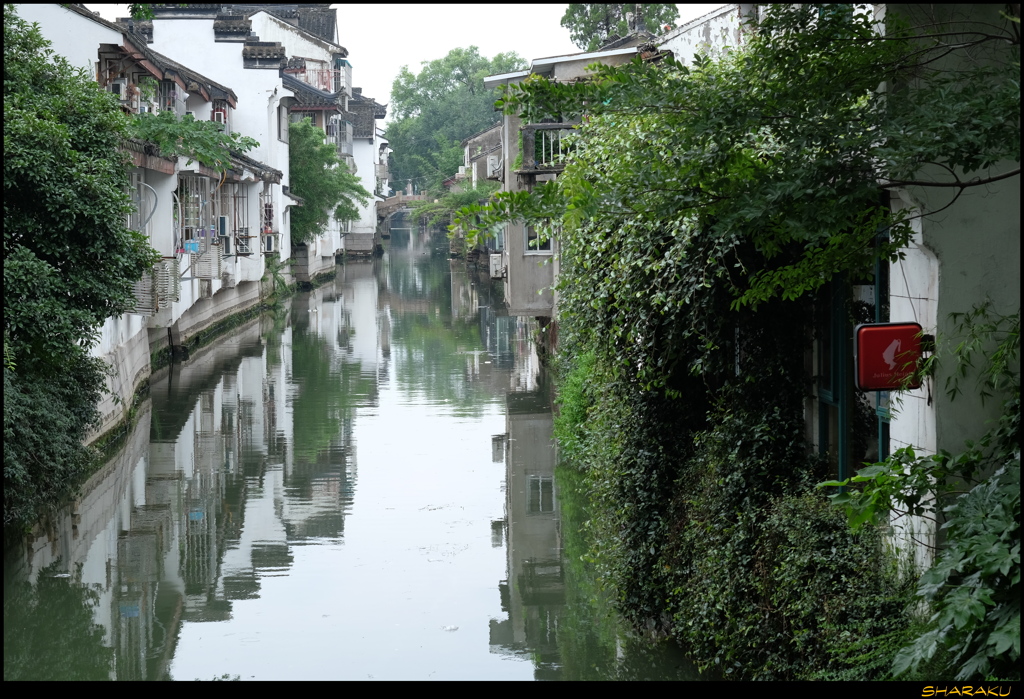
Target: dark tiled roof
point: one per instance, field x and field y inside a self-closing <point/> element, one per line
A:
<point x="263" y="49"/>
<point x="633" y="39"/>
<point x="235" y="25"/>
<point x="189" y="8"/>
<point x="317" y="19"/>
<point x="366" y="111"/>
<point x="362" y="121"/>
<point x="379" y="110"/>
<point x="264" y="172"/>
<point x="137" y="145"/>
<point x="191" y="77"/>
<point x="308" y="96"/>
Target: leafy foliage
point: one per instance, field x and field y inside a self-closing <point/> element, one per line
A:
<point x="591" y="25"/>
<point x="974" y="586"/>
<point x="443" y="209"/>
<point x="70" y="262"/>
<point x="203" y="141"/>
<point x="739" y="149"/>
<point x="703" y="208"/>
<point x="436" y="109"/>
<point x="324" y="182"/>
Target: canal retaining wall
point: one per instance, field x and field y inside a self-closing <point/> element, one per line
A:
<point x="128" y="369"/>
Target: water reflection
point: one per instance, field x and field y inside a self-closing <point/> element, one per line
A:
<point x="360" y="484"/>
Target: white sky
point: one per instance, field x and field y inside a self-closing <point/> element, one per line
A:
<point x="382" y="38"/>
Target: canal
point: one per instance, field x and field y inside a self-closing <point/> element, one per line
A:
<point x="360" y="485"/>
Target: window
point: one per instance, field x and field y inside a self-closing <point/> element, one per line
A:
<point x="196" y="218"/>
<point x="534" y="242"/>
<point x="541" y="496"/>
<point x="853" y="426"/>
<point x="221" y="114"/>
<point x="282" y="123"/>
<point x="143" y="204"/>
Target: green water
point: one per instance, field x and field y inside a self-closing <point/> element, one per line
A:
<point x="359" y="486"/>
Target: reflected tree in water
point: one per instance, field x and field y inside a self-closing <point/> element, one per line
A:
<point x="49" y="630"/>
<point x="432" y="347"/>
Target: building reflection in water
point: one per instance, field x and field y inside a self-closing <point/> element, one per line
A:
<point x="248" y="451"/>
<point x="225" y="471"/>
<point x="534" y="591"/>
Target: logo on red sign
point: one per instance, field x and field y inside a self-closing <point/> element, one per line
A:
<point x="886" y="356"/>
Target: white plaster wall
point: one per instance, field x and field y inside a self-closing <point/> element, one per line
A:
<point x="296" y="41"/>
<point x="74" y="37"/>
<point x="913" y="297"/>
<point x="707" y="34"/>
<point x="203" y="110"/>
<point x="161" y="225"/>
<point x="259" y="90"/>
<point x="364" y="150"/>
<point x="570" y="70"/>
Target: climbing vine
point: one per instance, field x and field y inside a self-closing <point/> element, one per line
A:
<point x="973" y="590"/>
<point x="703" y="211"/>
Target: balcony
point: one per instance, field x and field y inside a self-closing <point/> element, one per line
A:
<point x="332" y="80"/>
<point x="340" y="134"/>
<point x="544" y="149"/>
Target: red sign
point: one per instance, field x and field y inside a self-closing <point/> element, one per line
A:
<point x="886" y="355"/>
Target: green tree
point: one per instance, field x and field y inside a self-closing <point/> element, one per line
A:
<point x="590" y="25"/>
<point x="70" y="262"/>
<point x="203" y="141"/>
<point x="322" y="180"/>
<point x="441" y="210"/>
<point x="702" y="210"/>
<point x="436" y="109"/>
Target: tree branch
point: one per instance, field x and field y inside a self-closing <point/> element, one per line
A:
<point x="959" y="184"/>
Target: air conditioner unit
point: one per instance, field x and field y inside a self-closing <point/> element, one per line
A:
<point x="145" y="296"/>
<point x="493" y="167"/>
<point x="270" y="243"/>
<point x="167" y="278"/>
<point x="497" y="269"/>
<point x="207" y="265"/>
<point x="119" y="88"/>
<point x="224" y="235"/>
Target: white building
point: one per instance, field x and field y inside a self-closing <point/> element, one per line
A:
<point x="212" y="229"/>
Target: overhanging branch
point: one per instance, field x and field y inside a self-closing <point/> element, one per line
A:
<point x="959" y="184"/>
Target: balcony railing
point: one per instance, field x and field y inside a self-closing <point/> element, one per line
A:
<point x="340" y="133"/>
<point x="544" y="148"/>
<point x="328" y="79"/>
